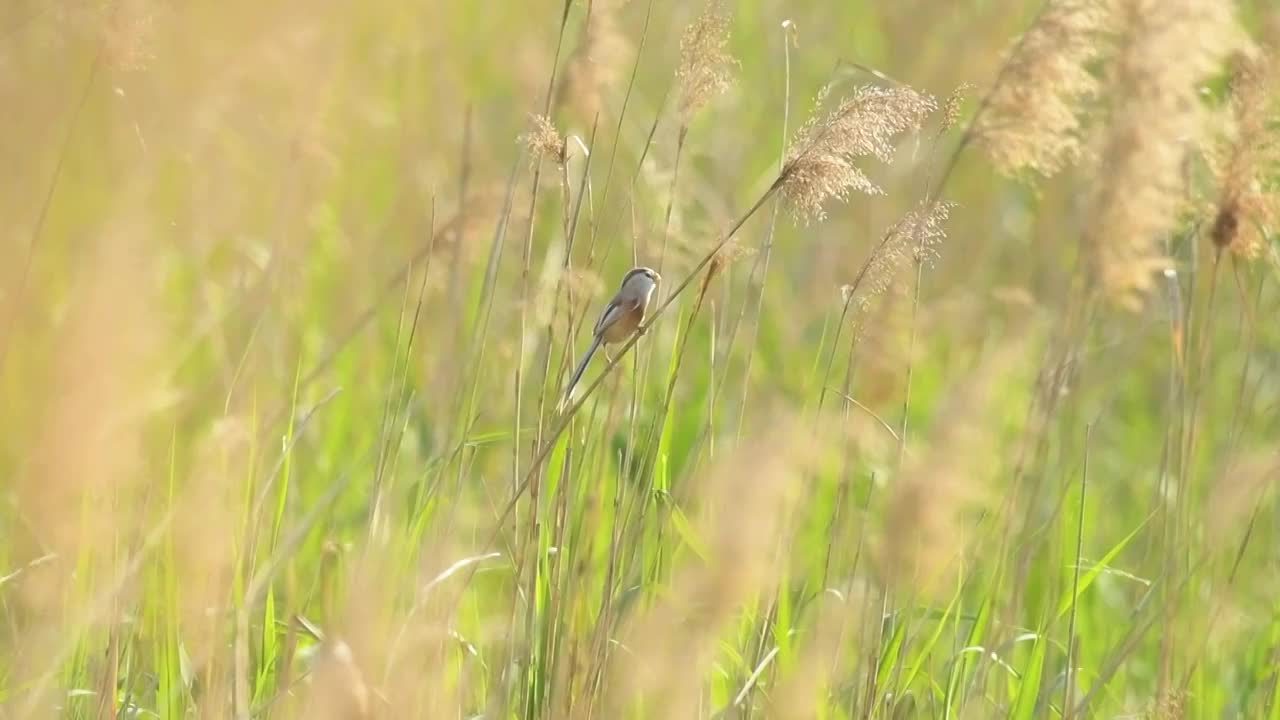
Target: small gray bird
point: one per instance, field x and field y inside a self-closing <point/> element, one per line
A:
<point x="621" y="317"/>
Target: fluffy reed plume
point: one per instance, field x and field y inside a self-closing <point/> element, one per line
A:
<point x="726" y="256"/>
<point x="206" y="561"/>
<point x="745" y="501"/>
<point x="945" y="478"/>
<point x="125" y="29"/>
<point x="1250" y="156"/>
<point x="722" y="259"/>
<point x="1032" y="118"/>
<point x="1168" y="47"/>
<point x="128" y="35"/>
<point x="1236" y="493"/>
<point x="799" y="693"/>
<point x="544" y="141"/>
<point x="598" y="62"/>
<point x="86" y="457"/>
<point x="820" y="162"/>
<point x="705" y="68"/>
<point x="917" y="235"/>
<point x="338" y="689"/>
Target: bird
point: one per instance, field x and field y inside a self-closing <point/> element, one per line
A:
<point x="619" y="319"/>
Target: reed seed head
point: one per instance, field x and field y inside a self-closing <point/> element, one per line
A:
<point x="1033" y="118"/>
<point x="1168" y="48"/>
<point x="820" y="165"/>
<point x="706" y="68"/>
<point x="726" y="256"/>
<point x="916" y="236"/>
<point x="124" y="29"/>
<point x="598" y="62"/>
<point x="129" y="38"/>
<point x="951" y="107"/>
<point x="1248" y="157"/>
<point x="946" y="481"/>
<point x="544" y="141"/>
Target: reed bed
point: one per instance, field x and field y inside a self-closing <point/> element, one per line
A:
<point x="958" y="398"/>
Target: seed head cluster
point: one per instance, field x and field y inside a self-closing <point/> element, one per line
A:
<point x="598" y="63"/>
<point x="544" y="141"/>
<point x="951" y="106"/>
<point x="706" y="67"/>
<point x="916" y="236"/>
<point x="1168" y="48"/>
<point x="1248" y="158"/>
<point x="820" y="165"/>
<point x="1032" y="120"/>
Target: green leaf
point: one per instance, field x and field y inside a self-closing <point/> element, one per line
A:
<point x="1029" y="687"/>
<point x="925" y="650"/>
<point x="687" y="533"/>
<point x="1069" y="597"/>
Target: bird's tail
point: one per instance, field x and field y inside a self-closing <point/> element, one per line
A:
<point x="577" y="372"/>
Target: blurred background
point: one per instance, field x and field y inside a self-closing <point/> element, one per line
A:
<point x="289" y="293"/>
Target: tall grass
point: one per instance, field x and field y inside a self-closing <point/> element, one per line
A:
<point x="944" y="409"/>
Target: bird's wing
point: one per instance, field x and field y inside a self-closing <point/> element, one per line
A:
<point x="612" y="312"/>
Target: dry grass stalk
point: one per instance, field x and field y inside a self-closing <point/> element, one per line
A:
<point x="1250" y="156"/>
<point x="1168" y="48"/>
<point x="819" y="164"/>
<point x="597" y="64"/>
<point x="1032" y="120"/>
<point x="705" y="69"/>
